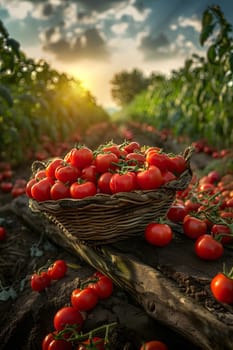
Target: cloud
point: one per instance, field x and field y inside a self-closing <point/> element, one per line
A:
<point x="19" y="10"/>
<point x="192" y="22"/>
<point x="154" y="47"/>
<point x="89" y="45"/>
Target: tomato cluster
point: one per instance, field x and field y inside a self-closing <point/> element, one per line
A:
<point x="109" y="169"/>
<point x="7" y="184"/>
<point x="42" y="279"/>
<point x="205" y="211"/>
<point x="68" y="321"/>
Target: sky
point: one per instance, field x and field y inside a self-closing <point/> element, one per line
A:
<point x="94" y="39"/>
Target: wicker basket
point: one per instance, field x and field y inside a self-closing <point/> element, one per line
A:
<point x="103" y="218"/>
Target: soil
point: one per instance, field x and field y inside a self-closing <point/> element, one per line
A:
<point x="27" y="316"/>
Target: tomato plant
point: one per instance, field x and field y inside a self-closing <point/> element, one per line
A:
<point x="208" y="248"/>
<point x="158" y="234"/>
<point x="222" y="287"/>
<point x="67" y="315"/>
<point x="84" y="299"/>
<point x="154" y="345"/>
<point x="57" y="270"/>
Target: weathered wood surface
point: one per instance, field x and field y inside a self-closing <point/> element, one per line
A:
<point x="170" y="283"/>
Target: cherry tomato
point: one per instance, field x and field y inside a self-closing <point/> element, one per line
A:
<point x="122" y="182"/>
<point x="103" y="286"/>
<point x="67" y="315"/>
<point x="224" y="231"/>
<point x="57" y="270"/>
<point x="47" y="340"/>
<point x="194" y="227"/>
<point x="80" y="157"/>
<point x="105" y="162"/>
<point x="40" y="174"/>
<point x="82" y="190"/>
<point x="112" y="149"/>
<point x="2" y="233"/>
<point x="59" y="190"/>
<point x="158" y="234"/>
<point x="95" y="343"/>
<point x="150" y="178"/>
<point x="40" y="281"/>
<point x="84" y="299"/>
<point x="6" y="186"/>
<point x="154" y="345"/>
<point x="222" y="288"/>
<point x="177" y="212"/>
<point x="104" y="183"/>
<point x="207" y="248"/>
<point x="17" y="191"/>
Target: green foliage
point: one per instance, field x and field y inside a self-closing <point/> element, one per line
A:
<point x="126" y="85"/>
<point x="37" y="101"/>
<point x="197" y="100"/>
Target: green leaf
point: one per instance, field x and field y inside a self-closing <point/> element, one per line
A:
<point x="3" y="30"/>
<point x="5" y="93"/>
<point x="231" y="62"/>
<point x="211" y="54"/>
<point x="207" y="18"/>
<point x="14" y="45"/>
<point x="206" y="33"/>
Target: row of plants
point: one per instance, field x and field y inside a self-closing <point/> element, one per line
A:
<point x="38" y="101"/>
<point x="197" y="99"/>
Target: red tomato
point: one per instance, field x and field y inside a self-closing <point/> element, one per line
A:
<point x="40" y="174"/>
<point x="17" y="191"/>
<point x="104" y="183"/>
<point x="59" y="190"/>
<point x="154" y="345"/>
<point x="191" y="205"/>
<point x="168" y="176"/>
<point x="60" y="344"/>
<point x="67" y="173"/>
<point x="223" y="231"/>
<point x="80" y="157"/>
<point x="229" y="203"/>
<point x="89" y="173"/>
<point x="161" y="160"/>
<point x="86" y="189"/>
<point x="40" y="191"/>
<point x="194" y="227"/>
<point x="150" y="178"/>
<point x="84" y="299"/>
<point x="112" y="149"/>
<point x="177" y="164"/>
<point x="122" y="182"/>
<point x="57" y="270"/>
<point x="158" y="234"/>
<point x="132" y="146"/>
<point x="6" y="186"/>
<point x="96" y="343"/>
<point x="47" y="340"/>
<point x="213" y="176"/>
<point x="104" y="162"/>
<point x="2" y="233"/>
<point x="67" y="315"/>
<point x="207" y="248"/>
<point x="135" y="159"/>
<point x="103" y="286"/>
<point x="222" y="288"/>
<point x="40" y="281"/>
<point x="28" y="188"/>
<point x="52" y="166"/>
<point x="177" y="212"/>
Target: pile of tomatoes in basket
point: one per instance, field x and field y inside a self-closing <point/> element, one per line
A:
<point x="109" y="169"/>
